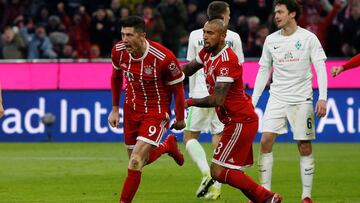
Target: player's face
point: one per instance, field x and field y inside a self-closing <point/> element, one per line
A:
<point x="227" y="16"/>
<point x="212" y="37"/>
<point x="133" y="40"/>
<point x="282" y="16"/>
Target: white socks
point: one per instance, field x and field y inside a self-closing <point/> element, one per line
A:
<point x="307" y="168"/>
<point x="265" y="165"/>
<point x="197" y="154"/>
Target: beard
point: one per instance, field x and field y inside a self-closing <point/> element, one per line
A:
<point x="210" y="49"/>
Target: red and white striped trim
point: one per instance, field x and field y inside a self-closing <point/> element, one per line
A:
<point x="162" y="131"/>
<point x="120" y="46"/>
<point x="177" y="80"/>
<point x="224" y="79"/>
<point x="156" y="87"/>
<point x="234" y="137"/>
<point x="224" y="56"/>
<point x="158" y="54"/>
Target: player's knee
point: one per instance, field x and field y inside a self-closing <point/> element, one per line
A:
<point x="188" y="135"/>
<point x="305" y="148"/>
<point x="266" y="143"/>
<point x="135" y="162"/>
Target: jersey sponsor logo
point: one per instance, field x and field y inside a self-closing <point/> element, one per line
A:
<point x="228" y="43"/>
<point x="224" y="71"/>
<point x="173" y="69"/>
<point x="231" y="160"/>
<point x="148" y="70"/>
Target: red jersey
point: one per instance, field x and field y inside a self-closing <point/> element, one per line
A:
<point x="149" y="77"/>
<point x="225" y="67"/>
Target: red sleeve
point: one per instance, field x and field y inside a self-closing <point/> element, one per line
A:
<point x="228" y="71"/>
<point x="172" y="71"/>
<point x="179" y="95"/>
<point x="116" y="77"/>
<point x="352" y="63"/>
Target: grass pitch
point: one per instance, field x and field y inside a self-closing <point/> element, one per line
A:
<point x="94" y="172"/>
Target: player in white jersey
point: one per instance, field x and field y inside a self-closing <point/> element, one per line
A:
<point x="290" y="51"/>
<point x="200" y="119"/>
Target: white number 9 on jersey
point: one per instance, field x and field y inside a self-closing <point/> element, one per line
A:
<point x="152" y="130"/>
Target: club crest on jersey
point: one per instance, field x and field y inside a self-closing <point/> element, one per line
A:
<point x="148" y="70"/>
<point x="224" y="71"/>
<point x="173" y="69"/>
<point x="298" y="45"/>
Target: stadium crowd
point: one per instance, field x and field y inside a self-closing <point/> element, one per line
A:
<point x="74" y="29"/>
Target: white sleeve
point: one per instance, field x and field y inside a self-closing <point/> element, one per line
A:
<point x="318" y="58"/>
<point x="321" y="74"/>
<point x="191" y="51"/>
<point x="238" y="48"/>
<point x="263" y="74"/>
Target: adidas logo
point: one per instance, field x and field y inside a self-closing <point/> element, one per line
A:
<point x="231" y="160"/>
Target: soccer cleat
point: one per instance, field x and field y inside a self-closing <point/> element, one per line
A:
<point x="276" y="198"/>
<point x="306" y="200"/>
<point x="173" y="149"/>
<point x="213" y="193"/>
<point x="205" y="184"/>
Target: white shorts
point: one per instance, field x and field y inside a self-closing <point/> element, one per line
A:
<point x="300" y="116"/>
<point x="203" y="119"/>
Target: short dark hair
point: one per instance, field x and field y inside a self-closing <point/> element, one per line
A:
<point x="291" y="5"/>
<point x="216" y="9"/>
<point x="136" y="22"/>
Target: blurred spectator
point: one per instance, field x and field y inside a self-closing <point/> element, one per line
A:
<point x="64" y="18"/>
<point x="174" y="14"/>
<point x="199" y="22"/>
<point x="10" y="10"/>
<point x="79" y="33"/>
<point x="115" y="6"/>
<point x="100" y="31"/>
<point x="314" y="22"/>
<point x="125" y="12"/>
<point x="13" y="46"/>
<point x="192" y="11"/>
<point x="42" y="15"/>
<point x="68" y="52"/>
<point x="351" y="32"/>
<point x="155" y="26"/>
<point x="40" y="46"/>
<point x="253" y="25"/>
<point x="257" y="45"/>
<point x="94" y="51"/>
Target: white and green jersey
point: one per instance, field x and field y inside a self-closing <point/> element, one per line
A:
<point x="197" y="84"/>
<point x="291" y="57"/>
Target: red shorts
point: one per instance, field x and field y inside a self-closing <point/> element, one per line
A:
<point x="235" y="147"/>
<point x="146" y="127"/>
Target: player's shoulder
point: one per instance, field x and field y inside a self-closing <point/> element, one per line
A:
<point x="306" y="33"/>
<point x="119" y="46"/>
<point x="196" y="33"/>
<point x="160" y="51"/>
<point x="228" y="55"/>
<point x="273" y="36"/>
<point x="232" y="34"/>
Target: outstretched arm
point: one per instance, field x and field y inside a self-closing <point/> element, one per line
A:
<point x="191" y="68"/>
<point x="116" y="87"/>
<point x="352" y="63"/>
<point x="213" y="100"/>
<point x="179" y="96"/>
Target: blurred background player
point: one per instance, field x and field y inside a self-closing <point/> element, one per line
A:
<point x="352" y="63"/>
<point x="200" y="119"/>
<point x="1" y="105"/>
<point x="290" y="50"/>
<point x="153" y="75"/>
<point x="234" y="109"/>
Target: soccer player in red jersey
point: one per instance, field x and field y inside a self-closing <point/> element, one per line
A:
<point x="153" y="75"/>
<point x="234" y="108"/>
<point x="352" y="63"/>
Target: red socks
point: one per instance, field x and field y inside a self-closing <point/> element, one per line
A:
<point x="240" y="180"/>
<point x="130" y="186"/>
<point x="156" y="152"/>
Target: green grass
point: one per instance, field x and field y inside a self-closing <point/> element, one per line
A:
<point x="94" y="172"/>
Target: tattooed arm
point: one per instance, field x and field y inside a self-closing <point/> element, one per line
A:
<point x="216" y="99"/>
<point x="191" y="68"/>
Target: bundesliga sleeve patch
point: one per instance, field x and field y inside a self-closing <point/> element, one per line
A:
<point x="224" y="71"/>
<point x="174" y="70"/>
